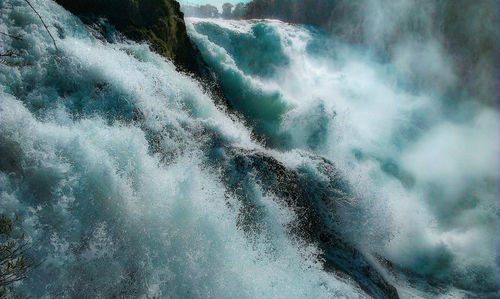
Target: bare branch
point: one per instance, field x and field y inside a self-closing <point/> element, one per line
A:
<point x="17" y="37"/>
<point x="53" y="40"/>
<point x="14" y="263"/>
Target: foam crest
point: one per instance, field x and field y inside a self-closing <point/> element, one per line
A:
<point x="107" y="157"/>
<point x="424" y="171"/>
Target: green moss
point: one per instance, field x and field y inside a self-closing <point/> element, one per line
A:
<point x="159" y="22"/>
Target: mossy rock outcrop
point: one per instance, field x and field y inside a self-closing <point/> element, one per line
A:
<point x="159" y="22"/>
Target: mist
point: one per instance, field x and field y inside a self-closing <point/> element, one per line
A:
<point x="402" y="98"/>
<point x="343" y="153"/>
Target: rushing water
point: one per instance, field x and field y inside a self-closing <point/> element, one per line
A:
<point x="131" y="182"/>
<point x="425" y="178"/>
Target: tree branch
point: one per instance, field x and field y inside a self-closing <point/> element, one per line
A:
<point x="8" y="54"/>
<point x="53" y="40"/>
<point x="17" y="37"/>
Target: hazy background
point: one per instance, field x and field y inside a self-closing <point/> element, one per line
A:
<point x="217" y="3"/>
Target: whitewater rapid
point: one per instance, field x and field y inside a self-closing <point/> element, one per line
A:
<point x="422" y="165"/>
<point x="130" y="182"/>
<point x="108" y="160"/>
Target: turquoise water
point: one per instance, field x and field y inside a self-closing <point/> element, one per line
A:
<point x="130" y="181"/>
<point x="424" y="177"/>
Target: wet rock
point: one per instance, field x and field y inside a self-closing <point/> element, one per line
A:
<point x="158" y="22"/>
<point x="314" y="201"/>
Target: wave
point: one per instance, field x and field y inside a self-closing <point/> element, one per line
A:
<point x="319" y="179"/>
<point x="423" y="171"/>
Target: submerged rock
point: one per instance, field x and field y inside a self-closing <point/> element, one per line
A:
<point x="315" y="203"/>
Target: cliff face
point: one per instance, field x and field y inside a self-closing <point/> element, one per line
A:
<point x="159" y="22"/>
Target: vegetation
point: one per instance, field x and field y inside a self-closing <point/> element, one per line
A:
<point x="226" y="10"/>
<point x="239" y="11"/>
<point x="229" y="11"/>
<point x="160" y="22"/>
<point x="313" y="12"/>
<point x="14" y="265"/>
<point x="201" y="11"/>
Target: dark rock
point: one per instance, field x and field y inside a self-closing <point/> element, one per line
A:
<point x="314" y="201"/>
<point x="159" y="22"/>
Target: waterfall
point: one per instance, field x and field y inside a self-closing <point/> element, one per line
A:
<point x="130" y="181"/>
